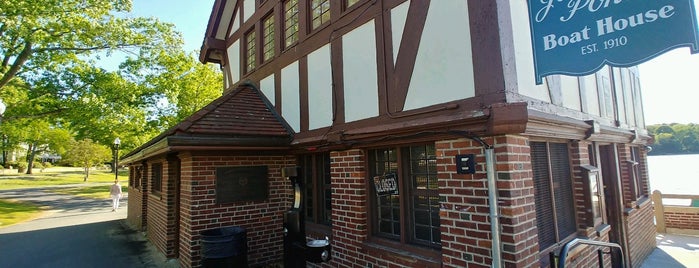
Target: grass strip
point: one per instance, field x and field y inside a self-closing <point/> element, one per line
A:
<point x="95" y="192"/>
<point x="53" y="178"/>
<point x="12" y="212"/>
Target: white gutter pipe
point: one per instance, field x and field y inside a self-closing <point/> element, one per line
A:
<point x="493" y="204"/>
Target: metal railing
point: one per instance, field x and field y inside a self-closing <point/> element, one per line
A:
<point x="563" y="255"/>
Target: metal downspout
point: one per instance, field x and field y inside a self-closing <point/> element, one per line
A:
<point x="493" y="204"/>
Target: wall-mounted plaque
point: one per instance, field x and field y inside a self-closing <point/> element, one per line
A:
<point x="386" y="184"/>
<point x="235" y="184"/>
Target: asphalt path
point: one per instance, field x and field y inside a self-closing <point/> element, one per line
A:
<point x="74" y="232"/>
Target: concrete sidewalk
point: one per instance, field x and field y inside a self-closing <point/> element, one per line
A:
<point x="75" y="232"/>
<point x="674" y="251"/>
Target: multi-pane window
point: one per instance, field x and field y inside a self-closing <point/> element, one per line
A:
<point x="555" y="211"/>
<point x="268" y="38"/>
<point x="157" y="176"/>
<point x="320" y="13"/>
<point x="250" y="54"/>
<point x="291" y="22"/>
<point x="315" y="174"/>
<point x="412" y="214"/>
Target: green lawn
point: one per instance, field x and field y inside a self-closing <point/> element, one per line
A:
<point x="12" y="212"/>
<point x="97" y="187"/>
<point x="56" y="176"/>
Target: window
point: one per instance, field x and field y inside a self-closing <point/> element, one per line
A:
<point x="320" y="13"/>
<point x="250" y="51"/>
<point x="411" y="215"/>
<point x="315" y="174"/>
<point x="349" y="3"/>
<point x="157" y="175"/>
<point x="137" y="176"/>
<point x="291" y="22"/>
<point x="268" y="38"/>
<point x="555" y="210"/>
<point x="595" y="189"/>
<point x="635" y="173"/>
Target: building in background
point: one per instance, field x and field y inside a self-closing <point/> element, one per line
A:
<point x="409" y="94"/>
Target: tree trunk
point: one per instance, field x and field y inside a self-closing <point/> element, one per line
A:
<point x="87" y="174"/>
<point x="30" y="158"/>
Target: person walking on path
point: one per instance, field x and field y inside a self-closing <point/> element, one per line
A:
<point x="115" y="192"/>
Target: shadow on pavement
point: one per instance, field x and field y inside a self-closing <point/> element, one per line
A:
<point x="102" y="244"/>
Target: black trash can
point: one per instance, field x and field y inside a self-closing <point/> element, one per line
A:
<point x="224" y="247"/>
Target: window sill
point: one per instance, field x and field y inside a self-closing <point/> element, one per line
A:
<point x="401" y="253"/>
<point x="635" y="205"/>
<point x="156" y="195"/>
<point x="603" y="229"/>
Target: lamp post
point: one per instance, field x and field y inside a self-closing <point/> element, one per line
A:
<point x="2" y="112"/>
<point x="117" y="141"/>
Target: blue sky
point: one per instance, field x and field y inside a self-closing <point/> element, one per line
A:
<point x="189" y="16"/>
<point x="669" y="83"/>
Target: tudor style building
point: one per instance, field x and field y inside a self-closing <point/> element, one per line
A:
<point x="410" y="92"/>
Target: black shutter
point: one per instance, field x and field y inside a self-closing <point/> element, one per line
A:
<point x="563" y="189"/>
<point x="542" y="185"/>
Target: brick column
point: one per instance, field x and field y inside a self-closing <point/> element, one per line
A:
<point x="349" y="217"/>
<point x="465" y="223"/>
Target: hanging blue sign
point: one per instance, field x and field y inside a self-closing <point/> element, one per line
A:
<point x="578" y="37"/>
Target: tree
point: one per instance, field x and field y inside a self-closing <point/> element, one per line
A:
<point x="675" y="138"/>
<point x="182" y="83"/>
<point x="46" y="34"/>
<point x="40" y="138"/>
<point x="48" y="74"/>
<point x="87" y="154"/>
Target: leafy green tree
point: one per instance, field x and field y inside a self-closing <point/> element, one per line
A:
<point x="40" y="138"/>
<point x="87" y="154"/>
<point x="47" y="34"/>
<point x="48" y="75"/>
<point x="180" y="83"/>
<point x="675" y="138"/>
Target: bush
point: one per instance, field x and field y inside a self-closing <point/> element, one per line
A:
<point x="47" y="165"/>
<point x="22" y="166"/>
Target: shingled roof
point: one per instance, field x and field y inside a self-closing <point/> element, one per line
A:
<point x="241" y="119"/>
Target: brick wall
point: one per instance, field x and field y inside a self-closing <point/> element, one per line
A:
<point x="638" y="214"/>
<point x="349" y="217"/>
<point x="641" y="232"/>
<point x="136" y="205"/>
<point x="262" y="220"/>
<point x="682" y="217"/>
<point x="162" y="224"/>
<point x="466" y="233"/>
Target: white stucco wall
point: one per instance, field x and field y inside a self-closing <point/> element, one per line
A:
<point x="291" y="110"/>
<point x="444" y="65"/>
<point x="360" y="73"/>
<point x="267" y="88"/>
<point x="320" y="106"/>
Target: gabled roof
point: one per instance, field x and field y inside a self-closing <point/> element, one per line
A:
<point x="214" y="44"/>
<point x="242" y="119"/>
